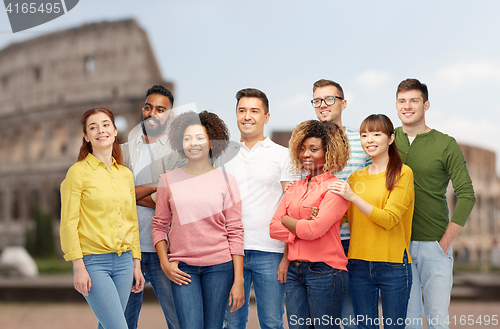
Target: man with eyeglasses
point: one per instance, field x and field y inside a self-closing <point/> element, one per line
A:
<point x="149" y="156"/>
<point x="329" y="102"/>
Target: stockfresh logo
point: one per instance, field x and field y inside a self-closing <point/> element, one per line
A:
<point x="26" y="14"/>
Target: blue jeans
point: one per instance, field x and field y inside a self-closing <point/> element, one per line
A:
<point x="261" y="269"/>
<point x="348" y="316"/>
<point x="432" y="271"/>
<point x="392" y="280"/>
<point x="151" y="269"/>
<point x="202" y="303"/>
<point x="314" y="295"/>
<point x="111" y="278"/>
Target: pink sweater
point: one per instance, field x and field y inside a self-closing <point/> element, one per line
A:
<point x="205" y="212"/>
<point x="318" y="239"/>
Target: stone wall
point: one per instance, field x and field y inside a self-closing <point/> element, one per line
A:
<point x="46" y="84"/>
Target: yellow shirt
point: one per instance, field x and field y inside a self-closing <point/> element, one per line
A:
<point x="98" y="210"/>
<point x="385" y="234"/>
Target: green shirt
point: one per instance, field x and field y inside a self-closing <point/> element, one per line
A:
<point x="435" y="158"/>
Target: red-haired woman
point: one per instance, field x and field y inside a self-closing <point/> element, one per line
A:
<point x="380" y="217"/>
<point x="99" y="228"/>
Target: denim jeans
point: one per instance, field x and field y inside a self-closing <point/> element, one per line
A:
<point x="314" y="295"/>
<point x="151" y="269"/>
<point x="432" y="271"/>
<point x="111" y="277"/>
<point x="261" y="269"/>
<point x="348" y="316"/>
<point x="202" y="303"/>
<point x="392" y="280"/>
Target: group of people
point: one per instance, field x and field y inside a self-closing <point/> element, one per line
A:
<point x="325" y="227"/>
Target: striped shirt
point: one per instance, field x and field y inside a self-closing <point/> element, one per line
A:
<point x="358" y="159"/>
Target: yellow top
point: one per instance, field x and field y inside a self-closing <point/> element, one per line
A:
<point x="385" y="234"/>
<point x="98" y="211"/>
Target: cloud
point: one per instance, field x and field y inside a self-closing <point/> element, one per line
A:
<point x="479" y="132"/>
<point x="463" y="72"/>
<point x="298" y="102"/>
<point x="373" y="79"/>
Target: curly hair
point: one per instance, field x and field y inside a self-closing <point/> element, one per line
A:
<point x="333" y="139"/>
<point x="216" y="129"/>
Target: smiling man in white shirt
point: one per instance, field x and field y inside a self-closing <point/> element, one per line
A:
<point x="262" y="168"/>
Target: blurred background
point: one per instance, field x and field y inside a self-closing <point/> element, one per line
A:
<point x="108" y="53"/>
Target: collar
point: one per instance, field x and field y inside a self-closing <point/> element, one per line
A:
<point x="140" y="140"/>
<point x="267" y="142"/>
<point x="322" y="177"/>
<point x="94" y="162"/>
<point x="163" y="139"/>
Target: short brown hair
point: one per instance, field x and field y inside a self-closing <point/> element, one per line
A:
<point x="413" y="84"/>
<point x="217" y="131"/>
<point x="333" y="139"/>
<point x="252" y="92"/>
<point x="324" y="83"/>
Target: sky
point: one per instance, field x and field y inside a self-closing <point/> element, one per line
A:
<point x="212" y="49"/>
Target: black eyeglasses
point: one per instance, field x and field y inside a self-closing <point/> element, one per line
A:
<point x="330" y="100"/>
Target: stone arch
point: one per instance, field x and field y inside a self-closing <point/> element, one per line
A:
<point x="37" y="143"/>
<point x="18" y="147"/>
<point x="59" y="139"/>
<point x="4" y="149"/>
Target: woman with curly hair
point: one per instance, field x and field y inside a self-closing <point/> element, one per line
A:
<point x="99" y="228"/>
<point x="199" y="208"/>
<point x="308" y="219"/>
<point x="380" y="217"/>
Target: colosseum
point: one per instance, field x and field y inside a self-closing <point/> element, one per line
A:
<point x="46" y="84"/>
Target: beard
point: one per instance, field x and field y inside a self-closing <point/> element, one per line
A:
<point x="153" y="132"/>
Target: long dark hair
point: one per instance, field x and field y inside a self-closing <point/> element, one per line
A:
<point x="86" y="147"/>
<point x="380" y="122"/>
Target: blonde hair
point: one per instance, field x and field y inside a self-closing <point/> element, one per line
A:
<point x="333" y="139"/>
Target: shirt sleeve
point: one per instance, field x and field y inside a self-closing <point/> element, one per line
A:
<point x="71" y="197"/>
<point x="180" y="162"/>
<point x="330" y="210"/>
<point x="232" y="214"/>
<point x="399" y="200"/>
<point x="125" y="154"/>
<point x="136" y="244"/>
<point x="163" y="217"/>
<point x="287" y="172"/>
<point x="277" y="230"/>
<point x="456" y="169"/>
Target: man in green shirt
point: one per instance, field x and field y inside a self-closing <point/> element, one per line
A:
<point x="435" y="158"/>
